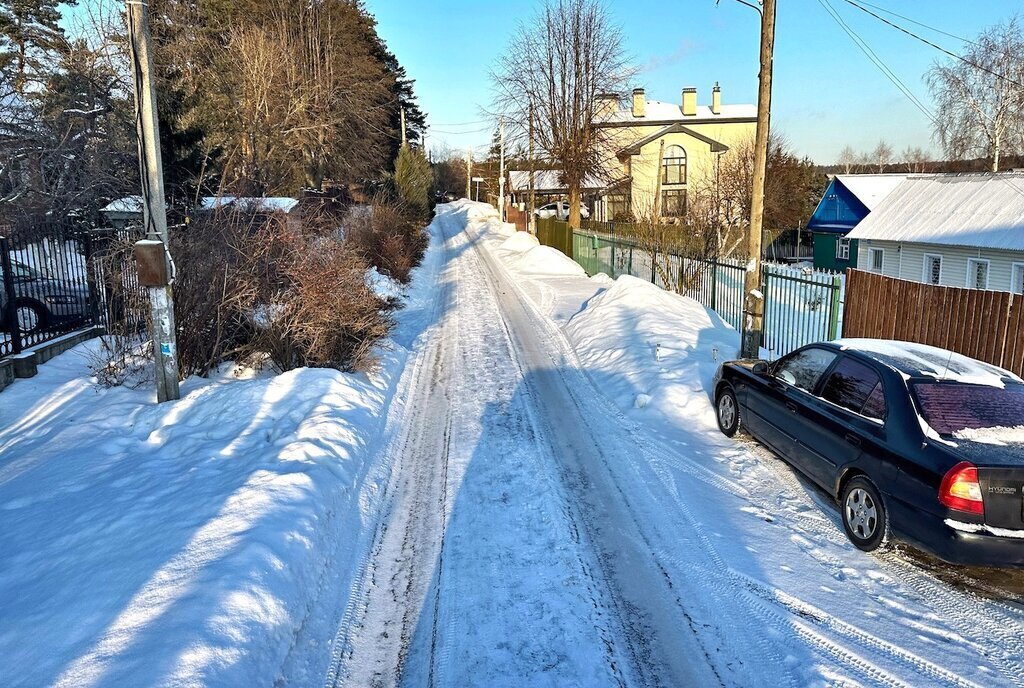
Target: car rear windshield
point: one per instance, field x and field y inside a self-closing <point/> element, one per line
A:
<point x="950" y="407"/>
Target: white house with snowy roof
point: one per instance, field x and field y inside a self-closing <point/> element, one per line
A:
<point x="956" y="230"/>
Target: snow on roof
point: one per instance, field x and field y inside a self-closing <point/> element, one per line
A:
<point x="975" y="210"/>
<point x="271" y="204"/>
<point x="658" y="111"/>
<point x="547" y="180"/>
<point x="921" y="360"/>
<point x="870" y="189"/>
<point x="128" y="204"/>
<point x="213" y="202"/>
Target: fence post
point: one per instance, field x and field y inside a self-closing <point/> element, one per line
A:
<point x="714" y="285"/>
<point x="654" y="263"/>
<point x="90" y="277"/>
<point x="10" y="314"/>
<point x="833" y="318"/>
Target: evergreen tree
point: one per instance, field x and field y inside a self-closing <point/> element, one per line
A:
<point x="413" y="178"/>
<point x="28" y="29"/>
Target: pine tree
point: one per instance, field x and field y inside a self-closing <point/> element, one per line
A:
<point x="413" y="178"/>
<point x="28" y="29"/>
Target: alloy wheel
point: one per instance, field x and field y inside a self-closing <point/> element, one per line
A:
<point x="861" y="513"/>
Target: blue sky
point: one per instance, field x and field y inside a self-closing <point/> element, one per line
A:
<point x="827" y="93"/>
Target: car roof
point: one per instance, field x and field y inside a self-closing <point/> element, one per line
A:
<point x="913" y="360"/>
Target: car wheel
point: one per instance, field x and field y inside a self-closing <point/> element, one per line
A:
<point x="727" y="411"/>
<point x="29" y="316"/>
<point x="864" y="516"/>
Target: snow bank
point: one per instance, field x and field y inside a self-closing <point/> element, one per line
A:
<point x="387" y="288"/>
<point x="186" y="543"/>
<point x="544" y="260"/>
<point x="652" y="350"/>
<point x="520" y="242"/>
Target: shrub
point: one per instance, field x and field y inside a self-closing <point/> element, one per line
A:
<point x="389" y="237"/>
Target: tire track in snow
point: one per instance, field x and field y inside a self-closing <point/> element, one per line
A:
<point x="779" y="604"/>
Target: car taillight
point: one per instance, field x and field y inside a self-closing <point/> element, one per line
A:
<point x="961" y="490"/>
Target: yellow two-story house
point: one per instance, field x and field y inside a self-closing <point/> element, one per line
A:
<point x="657" y="152"/>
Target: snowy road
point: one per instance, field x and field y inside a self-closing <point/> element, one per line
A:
<point x="535" y="533"/>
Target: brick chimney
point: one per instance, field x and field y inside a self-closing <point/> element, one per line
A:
<point x="716" y="100"/>
<point x="689" y="101"/>
<point x="639" y="103"/>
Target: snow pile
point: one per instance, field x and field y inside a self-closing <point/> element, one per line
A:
<point x="187" y="543"/>
<point x="544" y="260"/>
<point x="999" y="435"/>
<point x="519" y="242"/>
<point x="934" y="362"/>
<point x="651" y="349"/>
<point x="384" y="286"/>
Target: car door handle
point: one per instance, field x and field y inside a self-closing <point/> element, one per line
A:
<point x="853" y="439"/>
<point x="791" y="406"/>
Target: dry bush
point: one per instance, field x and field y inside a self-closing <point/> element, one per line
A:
<point x="248" y="289"/>
<point x="389" y="237"/>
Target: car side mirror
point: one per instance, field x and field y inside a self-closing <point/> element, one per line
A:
<point x="759" y="368"/>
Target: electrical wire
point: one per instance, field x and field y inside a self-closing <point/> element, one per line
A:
<point x="878" y="62"/>
<point x="936" y="46"/>
<point x="918" y="23"/>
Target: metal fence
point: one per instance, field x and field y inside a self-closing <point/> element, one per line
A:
<point x="801" y="305"/>
<point x="46" y="286"/>
<point x="56" y="278"/>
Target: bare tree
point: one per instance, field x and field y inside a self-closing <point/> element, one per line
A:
<point x="915" y="159"/>
<point x="552" y="73"/>
<point x="881" y="155"/>
<point x="981" y="97"/>
<point x="847" y="160"/>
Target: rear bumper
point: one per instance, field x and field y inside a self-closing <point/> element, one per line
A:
<point x="953" y="546"/>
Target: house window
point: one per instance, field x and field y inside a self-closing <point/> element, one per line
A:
<point x="1017" y="286"/>
<point x="673" y="166"/>
<point x="618" y="207"/>
<point x="673" y="203"/>
<point x="977" y="273"/>
<point x="877" y="256"/>
<point x="932" y="269"/>
<point x="842" y="249"/>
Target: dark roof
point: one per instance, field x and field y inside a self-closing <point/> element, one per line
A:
<point x="634" y="148"/>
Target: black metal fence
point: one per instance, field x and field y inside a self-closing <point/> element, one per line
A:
<point x="56" y="278"/>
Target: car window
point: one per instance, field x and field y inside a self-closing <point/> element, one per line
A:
<point x="851" y="385"/>
<point x="803" y="368"/>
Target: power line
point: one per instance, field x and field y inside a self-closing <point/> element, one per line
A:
<point x="878" y="62"/>
<point x="921" y="24"/>
<point x="463" y="124"/>
<point x="937" y="47"/>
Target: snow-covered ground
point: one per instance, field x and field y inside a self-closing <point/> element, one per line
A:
<point x="190" y="543"/>
<point x="533" y="491"/>
<point x="769" y="580"/>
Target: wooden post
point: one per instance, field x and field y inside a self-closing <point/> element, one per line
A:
<point x="753" y="322"/>
<point x="154" y="205"/>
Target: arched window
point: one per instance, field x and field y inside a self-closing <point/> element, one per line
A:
<point x="673" y="166"/>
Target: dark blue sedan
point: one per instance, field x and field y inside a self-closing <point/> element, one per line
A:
<point x="914" y="442"/>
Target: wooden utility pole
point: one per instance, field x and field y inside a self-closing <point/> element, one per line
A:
<point x="530" y="219"/>
<point x="405" y="138"/>
<point x="161" y="296"/>
<point x="469" y="173"/>
<point x="501" y="171"/>
<point x="656" y="220"/>
<point x="753" y="320"/>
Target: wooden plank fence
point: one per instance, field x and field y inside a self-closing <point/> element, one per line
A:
<point x="987" y="325"/>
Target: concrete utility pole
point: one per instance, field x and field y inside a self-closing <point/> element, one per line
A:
<point x="405" y="138"/>
<point x="469" y="173"/>
<point x="753" y="320"/>
<point x="501" y="171"/>
<point x="530" y="219"/>
<point x="161" y="296"/>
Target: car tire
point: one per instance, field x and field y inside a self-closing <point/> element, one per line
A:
<point x="29" y="316"/>
<point x="727" y="411"/>
<point x="865" y="518"/>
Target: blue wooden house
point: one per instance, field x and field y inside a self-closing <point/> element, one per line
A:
<point x="848" y="199"/>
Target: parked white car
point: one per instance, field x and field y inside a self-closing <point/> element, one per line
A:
<point x="560" y="210"/>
